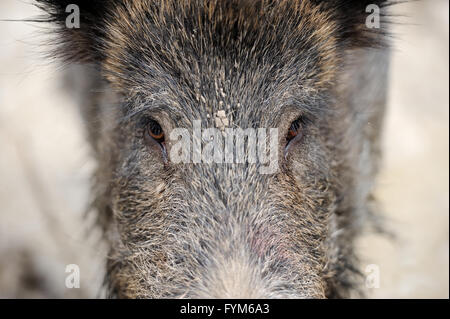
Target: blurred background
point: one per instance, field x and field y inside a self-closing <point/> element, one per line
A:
<point x="45" y="166"/>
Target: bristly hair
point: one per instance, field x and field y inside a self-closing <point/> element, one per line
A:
<point x="120" y="33"/>
<point x="350" y="17"/>
<point x="347" y="18"/>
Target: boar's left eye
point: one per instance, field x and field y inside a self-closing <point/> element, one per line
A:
<point x="154" y="135"/>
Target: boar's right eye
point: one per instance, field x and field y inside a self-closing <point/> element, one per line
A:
<point x="154" y="134"/>
<point x="295" y="130"/>
<point x="295" y="133"/>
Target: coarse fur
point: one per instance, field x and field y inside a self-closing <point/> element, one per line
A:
<point x="225" y="230"/>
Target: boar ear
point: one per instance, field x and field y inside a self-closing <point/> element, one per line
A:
<point x="79" y="27"/>
<point x="361" y="23"/>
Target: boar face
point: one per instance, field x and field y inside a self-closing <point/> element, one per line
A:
<point x="308" y="74"/>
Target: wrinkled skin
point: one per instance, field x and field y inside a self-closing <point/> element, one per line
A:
<point x="226" y="230"/>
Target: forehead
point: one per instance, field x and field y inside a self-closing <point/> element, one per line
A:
<point x="220" y="52"/>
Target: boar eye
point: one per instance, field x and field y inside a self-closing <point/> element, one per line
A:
<point x="154" y="136"/>
<point x="295" y="130"/>
<point x="155" y="131"/>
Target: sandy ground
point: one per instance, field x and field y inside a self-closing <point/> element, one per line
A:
<point x="45" y="167"/>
